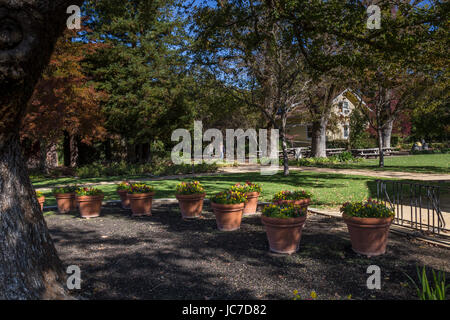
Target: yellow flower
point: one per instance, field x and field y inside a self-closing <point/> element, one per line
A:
<point x="313" y="294"/>
<point x="349" y="297"/>
<point x="295" y="292"/>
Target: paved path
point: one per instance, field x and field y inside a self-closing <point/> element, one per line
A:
<point x="362" y="172"/>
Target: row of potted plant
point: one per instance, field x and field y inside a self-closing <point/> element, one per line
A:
<point x="368" y="221"/>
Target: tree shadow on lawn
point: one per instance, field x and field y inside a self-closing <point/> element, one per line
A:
<point x="164" y="257"/>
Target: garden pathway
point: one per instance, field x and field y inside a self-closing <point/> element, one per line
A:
<point x="362" y="172"/>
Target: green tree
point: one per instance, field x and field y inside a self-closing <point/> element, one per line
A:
<point x="143" y="68"/>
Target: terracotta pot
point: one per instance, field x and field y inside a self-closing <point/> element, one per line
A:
<point x="41" y="201"/>
<point x="252" y="203"/>
<point x="90" y="206"/>
<point x="284" y="234"/>
<point x="141" y="203"/>
<point x="368" y="235"/>
<point x="228" y="216"/>
<point x="125" y="202"/>
<point x="191" y="206"/>
<point x="302" y="202"/>
<point x="66" y="202"/>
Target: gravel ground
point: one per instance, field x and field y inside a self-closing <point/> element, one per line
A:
<point x="165" y="257"/>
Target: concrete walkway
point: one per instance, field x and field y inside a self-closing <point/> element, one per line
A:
<point x="361" y="172"/>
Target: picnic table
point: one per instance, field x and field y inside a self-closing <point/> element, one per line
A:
<point x="373" y="152"/>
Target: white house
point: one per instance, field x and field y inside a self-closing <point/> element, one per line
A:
<point x="300" y="132"/>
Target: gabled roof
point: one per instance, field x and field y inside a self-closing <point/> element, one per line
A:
<point x="351" y="95"/>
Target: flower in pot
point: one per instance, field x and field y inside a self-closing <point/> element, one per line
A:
<point x="368" y="224"/>
<point x="284" y="223"/>
<point x="41" y="199"/>
<point x="297" y="197"/>
<point x="65" y="198"/>
<point x="252" y="191"/>
<point x="190" y="197"/>
<point x="228" y="207"/>
<point x="141" y="197"/>
<point x="122" y="191"/>
<point x="89" y="202"/>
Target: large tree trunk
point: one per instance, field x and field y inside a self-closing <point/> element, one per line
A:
<point x="387" y="133"/>
<point x="29" y="265"/>
<point x="320" y="123"/>
<point x="319" y="139"/>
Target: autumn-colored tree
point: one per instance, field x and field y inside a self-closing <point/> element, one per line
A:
<point x="64" y="101"/>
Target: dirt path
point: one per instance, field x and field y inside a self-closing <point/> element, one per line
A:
<point x="164" y="257"/>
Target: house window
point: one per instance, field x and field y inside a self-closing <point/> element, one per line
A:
<point x="309" y="132"/>
<point x="346" y="131"/>
<point x="345" y="107"/>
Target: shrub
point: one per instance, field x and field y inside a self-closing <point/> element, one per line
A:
<point x="229" y="197"/>
<point x="88" y="191"/>
<point x="187" y="188"/>
<point x="138" y="188"/>
<point x="345" y="156"/>
<point x="157" y="168"/>
<point x="65" y="189"/>
<point x="284" y="211"/>
<point x="292" y="195"/>
<point x="367" y="209"/>
<point x="247" y="187"/>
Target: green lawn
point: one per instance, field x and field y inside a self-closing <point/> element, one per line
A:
<point x="423" y="163"/>
<point x="330" y="189"/>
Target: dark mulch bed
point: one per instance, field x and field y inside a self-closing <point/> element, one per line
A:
<point x="165" y="257"/>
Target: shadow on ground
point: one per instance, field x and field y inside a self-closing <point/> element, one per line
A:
<point x="165" y="257"/>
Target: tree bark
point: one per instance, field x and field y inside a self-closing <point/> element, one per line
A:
<point x="380" y="147"/>
<point x="29" y="265"/>
<point x="319" y="138"/>
<point x="387" y="133"/>
<point x="74" y="155"/>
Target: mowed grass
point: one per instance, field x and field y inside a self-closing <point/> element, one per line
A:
<point x="421" y="163"/>
<point x="330" y="190"/>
